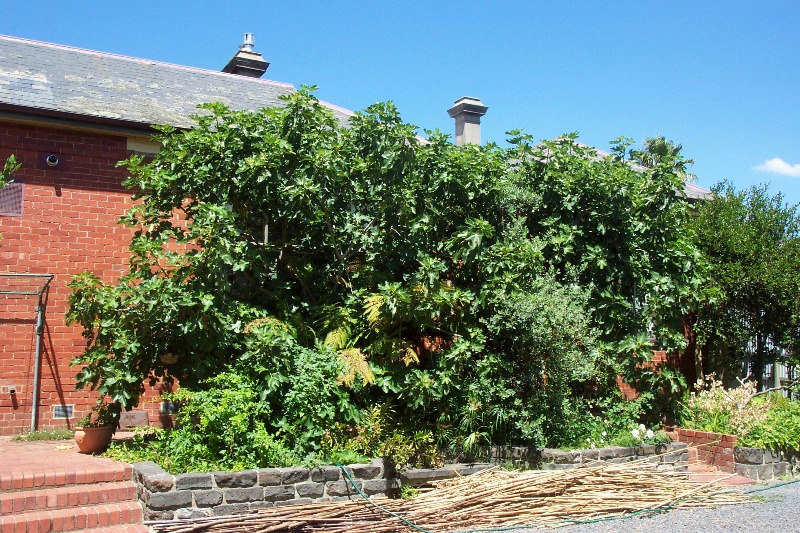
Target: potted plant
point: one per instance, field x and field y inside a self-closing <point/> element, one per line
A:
<point x="94" y="431"/>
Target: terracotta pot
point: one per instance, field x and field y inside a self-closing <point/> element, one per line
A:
<point x="93" y="440"/>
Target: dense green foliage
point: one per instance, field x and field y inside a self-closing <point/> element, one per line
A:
<point x="380" y="434"/>
<point x="752" y="243"/>
<point x="219" y="427"/>
<point x="780" y="430"/>
<point x="479" y="294"/>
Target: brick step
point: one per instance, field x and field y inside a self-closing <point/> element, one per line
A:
<point x="66" y="496"/>
<point x="105" y="517"/>
<point x="58" y="477"/>
<point x="130" y="528"/>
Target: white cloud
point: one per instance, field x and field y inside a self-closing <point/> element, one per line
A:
<point x="779" y="166"/>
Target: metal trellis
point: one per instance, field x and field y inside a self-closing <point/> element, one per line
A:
<point x="40" y="283"/>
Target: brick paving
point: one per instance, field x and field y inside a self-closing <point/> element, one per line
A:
<point x="49" y="486"/>
<point x="702" y="473"/>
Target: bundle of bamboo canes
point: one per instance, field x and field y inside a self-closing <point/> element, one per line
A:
<point x="489" y="499"/>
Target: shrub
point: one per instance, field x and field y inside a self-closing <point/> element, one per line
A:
<point x="318" y="268"/>
<point x="220" y="428"/>
<point x="380" y="434"/>
<point x="618" y="424"/>
<point x="767" y="421"/>
<point x="714" y="408"/>
<point x="780" y="430"/>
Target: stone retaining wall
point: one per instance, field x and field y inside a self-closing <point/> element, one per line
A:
<point x="672" y="456"/>
<point x="549" y="458"/>
<point x="195" y="495"/>
<point x="766" y="465"/>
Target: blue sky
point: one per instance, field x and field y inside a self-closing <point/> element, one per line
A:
<point x="721" y="78"/>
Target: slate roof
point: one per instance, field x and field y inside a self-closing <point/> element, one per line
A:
<point x="46" y="78"/>
<point x="56" y="79"/>
<point x="691" y="192"/>
<point x="694" y="192"/>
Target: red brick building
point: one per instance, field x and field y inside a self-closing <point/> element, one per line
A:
<point x="69" y="116"/>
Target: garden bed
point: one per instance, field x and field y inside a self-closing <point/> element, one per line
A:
<point x="195" y="495"/>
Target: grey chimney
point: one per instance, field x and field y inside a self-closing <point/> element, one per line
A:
<point x="246" y="62"/>
<point x="468" y="112"/>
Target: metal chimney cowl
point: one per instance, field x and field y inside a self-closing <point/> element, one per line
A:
<point x="246" y="62"/>
<point x="249" y="43"/>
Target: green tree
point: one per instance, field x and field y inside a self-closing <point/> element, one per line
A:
<point x="656" y="150"/>
<point x="752" y="242"/>
<point x="618" y="230"/>
<point x="337" y="267"/>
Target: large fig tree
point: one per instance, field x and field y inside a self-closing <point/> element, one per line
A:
<point x="343" y="265"/>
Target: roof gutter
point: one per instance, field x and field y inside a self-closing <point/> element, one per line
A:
<point x="74" y="121"/>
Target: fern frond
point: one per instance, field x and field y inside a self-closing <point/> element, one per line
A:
<point x="337" y="338"/>
<point x="410" y="356"/>
<point x="271" y="322"/>
<point x="355" y="364"/>
<point x="373" y="308"/>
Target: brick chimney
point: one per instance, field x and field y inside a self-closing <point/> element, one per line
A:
<point x="468" y="112"/>
<point x="246" y="62"/>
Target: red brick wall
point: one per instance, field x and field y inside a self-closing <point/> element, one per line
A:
<point x="680" y="361"/>
<point x="69" y="225"/>
<point x="715" y="449"/>
<point x="628" y="392"/>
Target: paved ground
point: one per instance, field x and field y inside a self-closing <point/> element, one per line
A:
<point x="50" y="456"/>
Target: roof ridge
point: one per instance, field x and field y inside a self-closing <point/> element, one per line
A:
<point x="334" y="107"/>
<point x="141" y="60"/>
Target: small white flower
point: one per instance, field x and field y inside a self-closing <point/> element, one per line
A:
<point x="592" y="446"/>
<point x="635" y="433"/>
<point x="602" y="441"/>
<point x="642" y="428"/>
<point x="604" y="433"/>
<point x="649" y="434"/>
